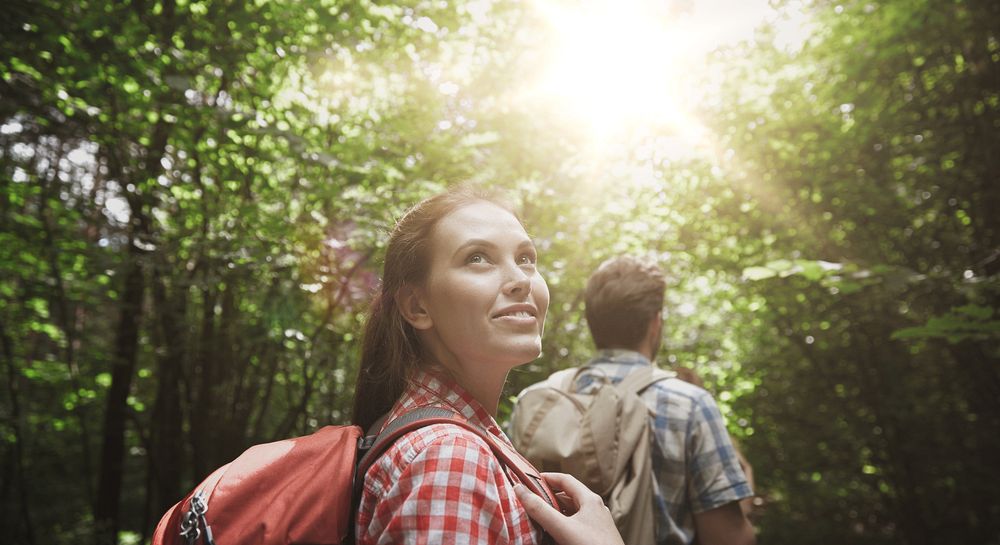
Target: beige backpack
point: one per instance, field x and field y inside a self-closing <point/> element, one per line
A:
<point x="602" y="438"/>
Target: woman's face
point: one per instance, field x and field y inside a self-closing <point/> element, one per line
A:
<point x="484" y="301"/>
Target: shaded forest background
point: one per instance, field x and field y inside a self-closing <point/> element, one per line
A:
<point x="194" y="195"/>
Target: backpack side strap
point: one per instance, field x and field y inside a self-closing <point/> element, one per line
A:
<point x="425" y="416"/>
<point x="643" y="378"/>
<point x="563" y="380"/>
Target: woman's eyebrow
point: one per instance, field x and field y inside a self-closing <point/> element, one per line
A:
<point x="475" y="242"/>
<point x="489" y="245"/>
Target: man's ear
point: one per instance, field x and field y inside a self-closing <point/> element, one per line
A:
<point x="654" y="335"/>
<point x="655" y="327"/>
<point x="410" y="304"/>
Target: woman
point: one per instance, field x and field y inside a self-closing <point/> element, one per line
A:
<point x="461" y="304"/>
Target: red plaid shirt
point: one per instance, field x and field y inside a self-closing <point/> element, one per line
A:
<point x="441" y="483"/>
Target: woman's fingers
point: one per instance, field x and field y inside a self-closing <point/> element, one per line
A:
<point x="539" y="510"/>
<point x="565" y="482"/>
<point x="570" y="487"/>
<point x="590" y="524"/>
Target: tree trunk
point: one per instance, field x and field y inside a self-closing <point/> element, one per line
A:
<point x="202" y="417"/>
<point x="18" y="479"/>
<point x="106" y="507"/>
<point x="167" y="439"/>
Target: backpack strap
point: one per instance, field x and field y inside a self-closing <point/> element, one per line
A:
<point x="643" y="378"/>
<point x="563" y="380"/>
<point x="425" y="416"/>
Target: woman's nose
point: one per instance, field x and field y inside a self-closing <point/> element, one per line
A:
<point x="518" y="282"/>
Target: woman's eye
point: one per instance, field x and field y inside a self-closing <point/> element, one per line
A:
<point x="476" y="258"/>
<point x="526" y="259"/>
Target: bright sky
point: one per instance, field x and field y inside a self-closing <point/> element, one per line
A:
<point x="612" y="67"/>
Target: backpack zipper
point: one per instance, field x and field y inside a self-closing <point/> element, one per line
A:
<point x="194" y="521"/>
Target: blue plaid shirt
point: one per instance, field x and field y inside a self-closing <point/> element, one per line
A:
<point x="694" y="464"/>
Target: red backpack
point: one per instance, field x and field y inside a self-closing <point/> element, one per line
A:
<point x="305" y="490"/>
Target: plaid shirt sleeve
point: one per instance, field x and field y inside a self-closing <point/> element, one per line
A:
<point x="442" y="485"/>
<point x="715" y="474"/>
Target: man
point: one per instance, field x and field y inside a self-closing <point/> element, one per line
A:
<point x="698" y="483"/>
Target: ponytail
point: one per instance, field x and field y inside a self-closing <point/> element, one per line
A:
<point x="387" y="353"/>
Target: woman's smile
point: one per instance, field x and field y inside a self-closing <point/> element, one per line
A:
<point x="518" y="315"/>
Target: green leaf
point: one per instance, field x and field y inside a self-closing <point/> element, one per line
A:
<point x="758" y="273"/>
<point x="780" y="265"/>
<point x="812" y="270"/>
<point x="975" y="311"/>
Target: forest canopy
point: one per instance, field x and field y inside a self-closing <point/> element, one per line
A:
<point x="194" y="198"/>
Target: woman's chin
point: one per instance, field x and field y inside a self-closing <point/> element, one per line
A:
<point x="526" y="354"/>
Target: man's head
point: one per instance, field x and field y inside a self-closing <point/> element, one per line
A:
<point x="624" y="298"/>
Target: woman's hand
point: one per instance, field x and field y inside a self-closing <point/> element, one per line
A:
<point x="589" y="522"/>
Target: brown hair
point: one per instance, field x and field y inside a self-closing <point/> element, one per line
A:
<point x="621" y="298"/>
<point x="690" y="376"/>
<point x="390" y="348"/>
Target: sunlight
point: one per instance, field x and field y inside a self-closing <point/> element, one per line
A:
<point x="613" y="68"/>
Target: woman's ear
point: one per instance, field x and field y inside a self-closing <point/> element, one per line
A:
<point x="410" y="304"/>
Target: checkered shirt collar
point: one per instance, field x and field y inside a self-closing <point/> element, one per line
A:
<point x="619" y="356"/>
<point x="434" y="388"/>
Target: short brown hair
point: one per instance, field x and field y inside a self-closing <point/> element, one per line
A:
<point x="621" y="298"/>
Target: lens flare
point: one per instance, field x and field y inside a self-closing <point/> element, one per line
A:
<point x="617" y="66"/>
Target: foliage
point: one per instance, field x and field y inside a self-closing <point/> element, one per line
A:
<point x="869" y="158"/>
<point x="194" y="196"/>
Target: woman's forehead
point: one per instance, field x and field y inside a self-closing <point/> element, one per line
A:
<point x="479" y="219"/>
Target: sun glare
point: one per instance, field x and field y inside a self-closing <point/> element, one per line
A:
<point x="610" y="68"/>
<point x="614" y="66"/>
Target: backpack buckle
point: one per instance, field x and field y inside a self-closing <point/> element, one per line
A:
<point x="189" y="528"/>
<point x="366" y="442"/>
<point x="194" y="520"/>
